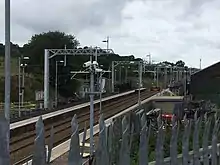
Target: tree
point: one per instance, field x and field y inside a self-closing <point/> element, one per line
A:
<point x="180" y="63"/>
<point x="58" y="40"/>
<point x="15" y="50"/>
<point x="168" y="63"/>
<point x="50" y="40"/>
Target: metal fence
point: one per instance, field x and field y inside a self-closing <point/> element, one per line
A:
<point x="131" y="140"/>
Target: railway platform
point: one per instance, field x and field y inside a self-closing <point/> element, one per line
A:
<point x="120" y="104"/>
<point x="66" y="110"/>
<point x="60" y="153"/>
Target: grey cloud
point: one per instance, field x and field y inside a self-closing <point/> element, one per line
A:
<point x="128" y="17"/>
<point x="72" y="16"/>
<point x="194" y="7"/>
<point x="169" y="29"/>
<point x="198" y="3"/>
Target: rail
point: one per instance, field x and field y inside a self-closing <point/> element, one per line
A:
<point x="22" y="142"/>
<point x="54" y="112"/>
<point x="133" y="130"/>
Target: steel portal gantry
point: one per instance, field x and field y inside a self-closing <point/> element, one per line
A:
<point x="50" y="53"/>
<point x="116" y="63"/>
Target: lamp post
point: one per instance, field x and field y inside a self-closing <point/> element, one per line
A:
<point x="149" y="56"/>
<point x="107" y="42"/>
<point x="91" y="103"/>
<point x="100" y="103"/>
<point x="157" y="74"/>
<point x="140" y="83"/>
<point x="4" y="155"/>
<point x="21" y="92"/>
<point x="56" y="83"/>
<point x="19" y="86"/>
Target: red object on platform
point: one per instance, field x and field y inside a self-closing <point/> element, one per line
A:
<point x="169" y="116"/>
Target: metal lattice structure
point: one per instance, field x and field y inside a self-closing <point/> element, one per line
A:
<point x="116" y="63"/>
<point x="75" y="52"/>
<point x="176" y="73"/>
<point x="92" y="52"/>
<point x="85" y="72"/>
<point x="50" y="53"/>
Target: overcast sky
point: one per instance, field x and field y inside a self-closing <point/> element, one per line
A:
<point x="168" y="29"/>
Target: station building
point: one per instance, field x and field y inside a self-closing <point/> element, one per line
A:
<point x="205" y="84"/>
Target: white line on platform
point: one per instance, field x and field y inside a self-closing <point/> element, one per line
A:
<point x="65" y="110"/>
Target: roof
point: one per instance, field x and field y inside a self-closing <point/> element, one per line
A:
<point x="212" y="71"/>
<point x="206" y="81"/>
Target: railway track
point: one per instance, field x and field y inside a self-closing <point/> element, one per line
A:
<point x="37" y="112"/>
<point x="22" y="140"/>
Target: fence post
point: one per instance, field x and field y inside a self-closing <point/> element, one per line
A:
<point x="110" y="142"/>
<point x="39" y="154"/>
<point x="117" y="129"/>
<point x="83" y="140"/>
<point x="196" y="140"/>
<point x="214" y="141"/>
<point x="173" y="142"/>
<point x="74" y="157"/>
<point x="124" y="157"/>
<point x="143" y="149"/>
<point x="101" y="156"/>
<point x="206" y="140"/>
<point x="50" y="146"/>
<point x="137" y="124"/>
<point x="4" y="129"/>
<point x="185" y="143"/>
<point x="160" y="141"/>
<point x="143" y="121"/>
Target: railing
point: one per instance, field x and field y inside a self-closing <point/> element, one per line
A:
<point x="129" y="140"/>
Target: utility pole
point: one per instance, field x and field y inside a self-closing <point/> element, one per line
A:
<point x="19" y="86"/>
<point x="7" y="61"/>
<point x="140" y="83"/>
<point x="56" y="86"/>
<point x="100" y="101"/>
<point x="126" y="74"/>
<point x="113" y="76"/>
<point x="91" y="104"/>
<point x="165" y="76"/>
<point x="149" y="56"/>
<point x="107" y="42"/>
<point x="200" y="63"/>
<point x="99" y="78"/>
<point x="56" y="83"/>
<point x="22" y="96"/>
<point x="157" y="72"/>
<point x="120" y="75"/>
<point x="5" y="154"/>
<point x="65" y="57"/>
<point x="185" y="83"/>
<point x="23" y="65"/>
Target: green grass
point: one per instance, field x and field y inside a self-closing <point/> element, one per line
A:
<point x="14" y="66"/>
<point x="32" y="83"/>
